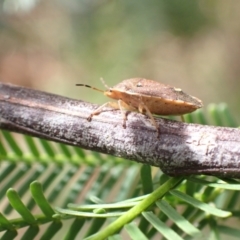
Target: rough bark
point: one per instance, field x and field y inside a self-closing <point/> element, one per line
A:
<point x="181" y="148"/>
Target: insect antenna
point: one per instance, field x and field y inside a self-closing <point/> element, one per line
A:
<point x="102" y="80"/>
<point x="84" y="85"/>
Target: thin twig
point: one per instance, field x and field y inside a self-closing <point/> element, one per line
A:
<point x="181" y="149"/>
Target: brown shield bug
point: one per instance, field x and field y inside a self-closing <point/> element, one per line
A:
<point x="148" y="97"/>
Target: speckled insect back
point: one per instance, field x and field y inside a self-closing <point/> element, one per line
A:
<point x="149" y="97"/>
<point x="159" y="98"/>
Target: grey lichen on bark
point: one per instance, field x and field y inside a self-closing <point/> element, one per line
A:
<point x="181" y="148"/>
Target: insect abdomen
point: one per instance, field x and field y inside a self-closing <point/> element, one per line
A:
<point x="158" y="105"/>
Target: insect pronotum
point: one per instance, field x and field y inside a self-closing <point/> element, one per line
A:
<point x="148" y="97"/>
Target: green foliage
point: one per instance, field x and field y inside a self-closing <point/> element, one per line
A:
<point x="51" y="191"/>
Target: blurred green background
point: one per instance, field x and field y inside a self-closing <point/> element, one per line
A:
<point x="193" y="45"/>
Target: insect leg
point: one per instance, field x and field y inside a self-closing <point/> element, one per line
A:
<point x="182" y="118"/>
<point x="124" y="113"/>
<point x="98" y="110"/>
<point x="141" y="107"/>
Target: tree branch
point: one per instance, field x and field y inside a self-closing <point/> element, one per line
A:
<point x="181" y="149"/>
